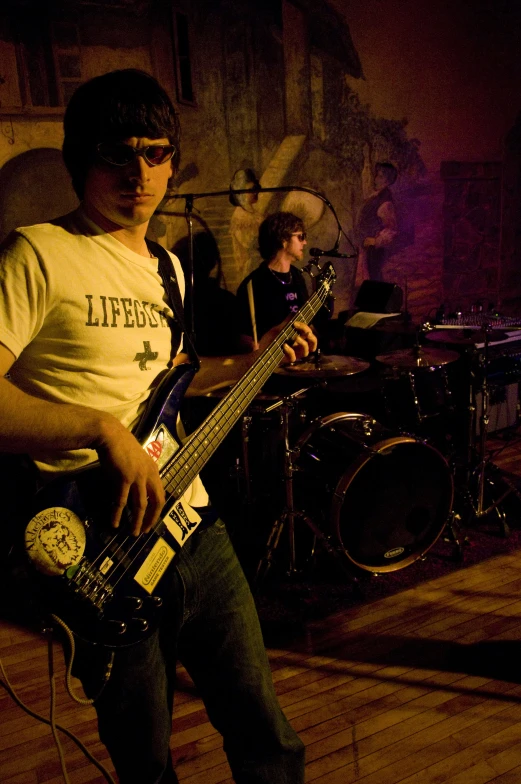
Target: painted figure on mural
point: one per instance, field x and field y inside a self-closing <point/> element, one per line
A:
<point x="277" y="285"/>
<point x="82" y="296"/>
<point x="377" y="224"/>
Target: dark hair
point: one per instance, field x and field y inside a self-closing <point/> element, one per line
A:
<point x="389" y="171"/>
<point x="112" y="107"/>
<point x="274" y="230"/>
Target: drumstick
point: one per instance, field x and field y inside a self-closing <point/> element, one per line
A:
<point x="252" y="313"/>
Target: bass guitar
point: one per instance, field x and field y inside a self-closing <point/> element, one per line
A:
<point x="105" y="584"/>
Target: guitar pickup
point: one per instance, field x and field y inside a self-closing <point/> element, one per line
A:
<point x="91" y="585"/>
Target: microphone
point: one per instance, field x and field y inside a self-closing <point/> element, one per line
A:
<point x="333" y="253"/>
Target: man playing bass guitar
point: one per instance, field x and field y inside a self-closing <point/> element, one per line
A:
<point x="85" y="329"/>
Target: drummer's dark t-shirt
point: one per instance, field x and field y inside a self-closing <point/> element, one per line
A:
<point x="276" y="296"/>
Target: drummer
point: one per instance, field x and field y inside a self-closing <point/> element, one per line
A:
<point x="276" y="289"/>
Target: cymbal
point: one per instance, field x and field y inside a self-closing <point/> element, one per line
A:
<point x="330" y="365"/>
<point x="465" y="337"/>
<point x="418" y="357"/>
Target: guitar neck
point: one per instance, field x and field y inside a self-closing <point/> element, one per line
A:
<point x="188" y="461"/>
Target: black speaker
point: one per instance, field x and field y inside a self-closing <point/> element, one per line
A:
<point x="375" y="296"/>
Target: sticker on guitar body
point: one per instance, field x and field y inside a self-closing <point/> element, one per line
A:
<point x="154" y="566"/>
<point x="161" y="445"/>
<point x="181" y="521"/>
<point x="55" y="540"/>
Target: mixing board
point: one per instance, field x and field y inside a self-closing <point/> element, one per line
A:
<point x="479" y="321"/>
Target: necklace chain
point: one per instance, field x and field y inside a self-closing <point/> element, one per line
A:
<point x="278" y="276"/>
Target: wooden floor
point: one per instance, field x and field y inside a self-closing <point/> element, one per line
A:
<point x="422" y="686"/>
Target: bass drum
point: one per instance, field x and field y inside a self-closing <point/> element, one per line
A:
<point x="382" y="498"/>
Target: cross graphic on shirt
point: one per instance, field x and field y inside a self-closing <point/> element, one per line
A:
<point x="145" y="355"/>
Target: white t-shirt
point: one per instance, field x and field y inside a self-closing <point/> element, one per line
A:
<point x="87" y="321"/>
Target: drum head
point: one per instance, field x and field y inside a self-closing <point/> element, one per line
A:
<point x="392" y="503"/>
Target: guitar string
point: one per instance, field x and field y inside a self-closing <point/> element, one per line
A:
<point x="217" y="413"/>
<point x="114" y="578"/>
<point x="227" y="418"/>
<point x="194" y="458"/>
<point x="225" y="415"/>
<point x="194" y="461"/>
<point x="184" y="473"/>
<point x="113" y="555"/>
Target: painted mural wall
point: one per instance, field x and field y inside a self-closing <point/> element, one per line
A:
<point x="312" y="95"/>
<point x="452" y="70"/>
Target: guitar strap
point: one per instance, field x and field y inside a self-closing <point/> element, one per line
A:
<point x="167" y="272"/>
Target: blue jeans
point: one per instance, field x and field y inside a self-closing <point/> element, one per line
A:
<point x="211" y="625"/>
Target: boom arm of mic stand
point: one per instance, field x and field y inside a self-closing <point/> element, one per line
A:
<point x="189" y="292"/>
<point x="279" y="189"/>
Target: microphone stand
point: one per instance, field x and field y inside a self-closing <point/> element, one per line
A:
<point x="189" y="292"/>
<point x="231" y="193"/>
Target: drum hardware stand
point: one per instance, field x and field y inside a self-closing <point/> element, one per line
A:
<point x="396" y="372"/>
<point x="239" y="471"/>
<point x="244" y="473"/>
<point x="477" y="505"/>
<point x="289" y="514"/>
<point x="454" y="534"/>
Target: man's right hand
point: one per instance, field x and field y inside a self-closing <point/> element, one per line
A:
<point x="133" y="476"/>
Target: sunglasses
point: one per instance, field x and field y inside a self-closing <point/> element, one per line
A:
<point x="118" y="154"/>
<point x="301" y="235"/>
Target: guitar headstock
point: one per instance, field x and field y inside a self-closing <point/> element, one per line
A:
<point x="325" y="275"/>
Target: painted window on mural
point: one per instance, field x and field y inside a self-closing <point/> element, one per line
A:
<point x="42" y="64"/>
<point x="67" y="59"/>
<point x="185" y="90"/>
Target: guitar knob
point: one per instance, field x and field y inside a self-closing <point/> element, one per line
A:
<point x="119" y="627"/>
<point x="137" y="602"/>
<point x="141" y="623"/>
<point x="157" y="600"/>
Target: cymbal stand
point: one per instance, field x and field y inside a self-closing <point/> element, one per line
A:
<point x="478" y="506"/>
<point x="289" y="515"/>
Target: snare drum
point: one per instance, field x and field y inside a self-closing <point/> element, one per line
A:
<point x="382" y="497"/>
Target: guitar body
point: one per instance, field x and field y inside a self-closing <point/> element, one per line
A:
<point x="105" y="584"/>
<point x="79" y="567"/>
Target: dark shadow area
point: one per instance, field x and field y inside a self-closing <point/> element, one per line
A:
<point x="497" y="659"/>
<point x="288" y="607"/>
<point x="215" y="309"/>
<point x="34" y="187"/>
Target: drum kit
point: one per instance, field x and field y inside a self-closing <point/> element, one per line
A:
<point x="375" y="492"/>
